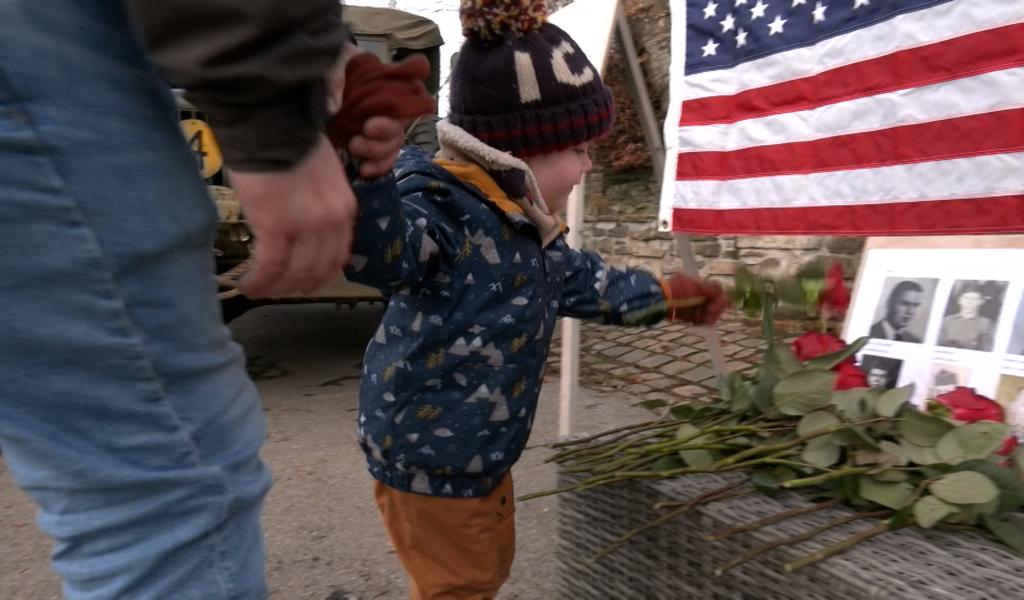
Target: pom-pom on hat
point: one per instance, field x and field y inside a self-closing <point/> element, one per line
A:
<point x="522" y="84"/>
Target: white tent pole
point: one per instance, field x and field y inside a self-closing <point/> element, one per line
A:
<point x="590" y="23"/>
<point x="570" y="374"/>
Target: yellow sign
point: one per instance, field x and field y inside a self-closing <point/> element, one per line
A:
<point x="203" y="145"/>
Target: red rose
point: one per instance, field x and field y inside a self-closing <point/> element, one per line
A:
<point x="967" y="406"/>
<point x="813" y="344"/>
<point x="1008" y="446"/>
<point x="850" y="376"/>
<point x="836" y="296"/>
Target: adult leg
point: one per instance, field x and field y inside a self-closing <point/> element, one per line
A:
<point x="125" y="410"/>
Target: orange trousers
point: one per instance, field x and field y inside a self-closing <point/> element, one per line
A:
<point x="452" y="548"/>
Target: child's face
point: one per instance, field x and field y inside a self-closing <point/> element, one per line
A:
<point x="557" y="173"/>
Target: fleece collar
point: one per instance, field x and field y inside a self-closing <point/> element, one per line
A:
<point x="505" y="179"/>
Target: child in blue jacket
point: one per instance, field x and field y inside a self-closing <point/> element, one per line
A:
<point x="470" y="250"/>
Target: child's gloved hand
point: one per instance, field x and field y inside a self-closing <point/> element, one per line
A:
<point x="683" y="290"/>
<point x="373" y="89"/>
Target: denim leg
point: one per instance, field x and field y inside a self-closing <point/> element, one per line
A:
<point x="125" y="410"/>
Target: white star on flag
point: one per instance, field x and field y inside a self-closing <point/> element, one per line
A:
<point x="758" y="10"/>
<point x="819" y="12"/>
<point x="710" y="48"/>
<point x="710" y="9"/>
<point x="740" y="2"/>
<point x="741" y="38"/>
<point x="860" y="3"/>
<point x="776" y="25"/>
<point x="799" y="2"/>
<point x="729" y="23"/>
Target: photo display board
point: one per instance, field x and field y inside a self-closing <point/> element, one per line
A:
<point x="941" y="317"/>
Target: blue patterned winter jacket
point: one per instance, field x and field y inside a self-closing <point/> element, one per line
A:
<point x="451" y="379"/>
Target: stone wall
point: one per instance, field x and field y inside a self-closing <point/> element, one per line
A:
<point x="632" y="241"/>
<point x="622" y="194"/>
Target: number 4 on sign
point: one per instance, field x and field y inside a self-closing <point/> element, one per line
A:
<point x="203" y="145"/>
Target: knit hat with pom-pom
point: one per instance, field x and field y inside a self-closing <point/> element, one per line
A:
<point x="523" y="85"/>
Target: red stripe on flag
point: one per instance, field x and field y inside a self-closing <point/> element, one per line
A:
<point x="960" y="57"/>
<point x="1000" y="214"/>
<point x="987" y="133"/>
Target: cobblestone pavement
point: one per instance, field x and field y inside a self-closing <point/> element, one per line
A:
<point x="667" y="362"/>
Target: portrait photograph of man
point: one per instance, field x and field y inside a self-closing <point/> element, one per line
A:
<point x="882" y="372"/>
<point x="972" y="314"/>
<point x="903" y="308"/>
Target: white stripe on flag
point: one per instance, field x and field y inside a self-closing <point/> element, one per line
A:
<point x="911" y="30"/>
<point x="973" y="177"/>
<point x="961" y="97"/>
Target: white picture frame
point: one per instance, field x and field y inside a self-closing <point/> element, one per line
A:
<point x="942" y="312"/>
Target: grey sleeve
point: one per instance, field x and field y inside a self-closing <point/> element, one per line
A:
<point x="255" y="67"/>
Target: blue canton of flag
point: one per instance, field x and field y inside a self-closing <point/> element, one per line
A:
<point x="723" y="33"/>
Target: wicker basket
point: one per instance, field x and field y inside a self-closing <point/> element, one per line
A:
<point x="673" y="561"/>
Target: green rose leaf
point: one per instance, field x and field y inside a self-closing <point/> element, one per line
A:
<point x="891" y="475"/>
<point x="1009" y="528"/>
<point x="743" y="279"/>
<point x="779" y="359"/>
<point x="853" y="404"/>
<point x="816" y="421"/>
<point x="791" y="292"/>
<point x="764" y="481"/>
<point x="651" y="404"/>
<point x="920" y="455"/>
<point x="804" y="392"/>
<point x="964" y="487"/>
<point x="1011" y="487"/>
<point x="891" y="401"/>
<point x="820" y="452"/>
<point x="930" y="510"/>
<point x="784" y="474"/>
<point x="970" y="441"/>
<point x="762" y="393"/>
<point x="692" y="412"/>
<point x="921" y="428"/>
<point x="666" y="463"/>
<point x="1018" y="460"/>
<point x="813" y="270"/>
<point x="696" y="457"/>
<point x="894" y="495"/>
<point x="738" y="393"/>
<point x="892" y="454"/>
<point x="830" y="361"/>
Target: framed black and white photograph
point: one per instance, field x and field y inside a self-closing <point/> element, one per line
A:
<point x="903" y="308"/>
<point x="1010" y="390"/>
<point x="972" y="314"/>
<point x="942" y="312"/>
<point x="1016" y="345"/>
<point x="882" y="372"/>
<point x="946" y="377"/>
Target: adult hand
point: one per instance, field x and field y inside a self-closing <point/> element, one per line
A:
<point x="302" y="220"/>
<point x="683" y="288"/>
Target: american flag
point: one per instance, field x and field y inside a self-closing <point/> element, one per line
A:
<point x="860" y="117"/>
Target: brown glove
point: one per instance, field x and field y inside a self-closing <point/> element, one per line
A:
<point x="373" y="88"/>
<point x="696" y="301"/>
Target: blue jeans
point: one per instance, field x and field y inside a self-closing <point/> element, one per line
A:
<point x="125" y="409"/>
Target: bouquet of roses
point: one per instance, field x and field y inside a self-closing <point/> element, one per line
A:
<point x="806" y="419"/>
